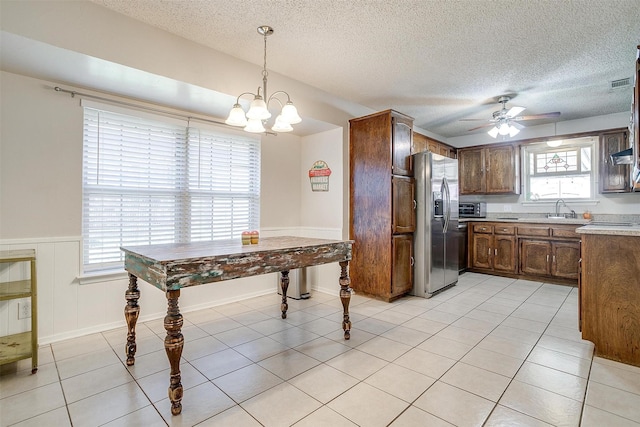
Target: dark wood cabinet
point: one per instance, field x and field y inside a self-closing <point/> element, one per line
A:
<point x="381" y="204"/>
<point x="565" y="260"/>
<point x="403" y="205"/>
<point x="471" y="171"/>
<point x="613" y="178"/>
<point x="481" y="250"/>
<point x="534" y="257"/>
<point x="402" y="270"/>
<point x="424" y="143"/>
<point x="402" y="129"/>
<point x="489" y="170"/>
<point x="494" y="249"/>
<point x="610" y="301"/>
<point x="526" y="250"/>
<point x="558" y="255"/>
<point x="504" y="253"/>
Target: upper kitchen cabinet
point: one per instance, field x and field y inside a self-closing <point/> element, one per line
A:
<point x="381" y="204"/>
<point x="613" y="178"/>
<point x="489" y="170"/>
<point x="424" y="143"/>
<point x="401" y="133"/>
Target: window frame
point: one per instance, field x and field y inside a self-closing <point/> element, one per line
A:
<point x="245" y="147"/>
<point x="577" y="143"/>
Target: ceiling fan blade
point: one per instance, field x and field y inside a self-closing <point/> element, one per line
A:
<point x="514" y="111"/>
<point x="516" y="125"/>
<point x="473" y="120"/>
<point x="480" y="127"/>
<point x="538" y="116"/>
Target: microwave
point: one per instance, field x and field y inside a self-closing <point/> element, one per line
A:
<point x="472" y="209"/>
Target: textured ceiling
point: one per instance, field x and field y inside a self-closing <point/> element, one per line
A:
<point x="437" y="61"/>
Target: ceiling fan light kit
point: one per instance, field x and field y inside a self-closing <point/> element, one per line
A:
<point x="505" y="122"/>
<point x="255" y="119"/>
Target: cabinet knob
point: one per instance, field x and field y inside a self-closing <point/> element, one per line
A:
<point x="415" y="205"/>
<point x="547" y="258"/>
<point x="412" y="261"/>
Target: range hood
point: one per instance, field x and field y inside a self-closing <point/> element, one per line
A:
<point x="624" y="157"/>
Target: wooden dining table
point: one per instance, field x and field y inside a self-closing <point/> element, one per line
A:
<point x="171" y="267"/>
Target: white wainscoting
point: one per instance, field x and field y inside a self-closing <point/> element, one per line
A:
<point x="68" y="309"/>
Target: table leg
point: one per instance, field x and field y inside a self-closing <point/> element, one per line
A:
<point x="131" y="312"/>
<point x="284" y="284"/>
<point x="345" y="298"/>
<point x="173" y="344"/>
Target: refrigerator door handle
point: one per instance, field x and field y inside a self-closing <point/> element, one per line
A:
<point x="446" y="214"/>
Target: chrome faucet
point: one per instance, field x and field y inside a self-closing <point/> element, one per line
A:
<point x="573" y="213"/>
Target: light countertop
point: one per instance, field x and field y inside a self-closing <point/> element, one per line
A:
<point x="589" y="226"/>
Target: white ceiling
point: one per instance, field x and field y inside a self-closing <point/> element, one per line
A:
<point x="437" y="61"/>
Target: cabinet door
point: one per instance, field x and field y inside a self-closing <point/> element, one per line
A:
<point x="401" y="137"/>
<point x="471" y="171"/>
<point x="404" y="217"/>
<point x="482" y="251"/>
<point x="500" y="169"/>
<point x="613" y="178"/>
<point x="402" y="267"/>
<point x="565" y="259"/>
<point x="534" y="257"/>
<point x="504" y="253"/>
<point x="420" y="143"/>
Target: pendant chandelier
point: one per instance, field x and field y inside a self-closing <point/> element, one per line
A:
<point x="258" y="114"/>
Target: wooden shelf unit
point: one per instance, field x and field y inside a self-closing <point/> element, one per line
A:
<point x="23" y="345"/>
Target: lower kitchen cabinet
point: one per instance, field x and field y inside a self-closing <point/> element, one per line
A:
<point x="565" y="259"/>
<point x="534" y="257"/>
<point x="525" y="250"/>
<point x="493" y="248"/>
<point x="402" y="268"/>
<point x="548" y="258"/>
<point x="609" y="297"/>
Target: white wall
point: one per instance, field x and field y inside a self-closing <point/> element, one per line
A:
<point x="40" y="208"/>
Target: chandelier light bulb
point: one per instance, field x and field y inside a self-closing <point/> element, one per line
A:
<point x="236" y="116"/>
<point x="281" y="125"/>
<point x="258" y="109"/>
<point x="290" y="113"/>
<point x="254" y="126"/>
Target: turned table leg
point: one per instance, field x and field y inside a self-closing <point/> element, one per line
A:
<point x="131" y="312"/>
<point x="173" y="344"/>
<point x="284" y="284"/>
<point x="345" y="298"/>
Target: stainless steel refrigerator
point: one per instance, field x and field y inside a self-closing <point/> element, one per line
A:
<point x="435" y="238"/>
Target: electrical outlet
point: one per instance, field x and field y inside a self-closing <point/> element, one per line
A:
<point x="24" y="310"/>
<point x="507" y="208"/>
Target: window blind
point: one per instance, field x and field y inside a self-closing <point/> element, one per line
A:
<point x="152" y="181"/>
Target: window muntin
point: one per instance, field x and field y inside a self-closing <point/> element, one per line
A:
<point x="152" y="181"/>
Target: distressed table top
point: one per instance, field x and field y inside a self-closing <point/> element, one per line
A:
<point x="178" y="265"/>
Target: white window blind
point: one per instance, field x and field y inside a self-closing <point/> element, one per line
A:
<point x="151" y="181"/>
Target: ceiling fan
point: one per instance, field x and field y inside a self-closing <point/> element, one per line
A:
<point x="505" y="122"/>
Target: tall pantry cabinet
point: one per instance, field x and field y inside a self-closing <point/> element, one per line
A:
<point x="381" y="204"/>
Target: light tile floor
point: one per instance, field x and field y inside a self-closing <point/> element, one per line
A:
<point x="488" y="352"/>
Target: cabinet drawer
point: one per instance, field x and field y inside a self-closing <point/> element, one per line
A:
<point x="533" y="231"/>
<point x="504" y="229"/>
<point x="483" y="228"/>
<point x="565" y="232"/>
